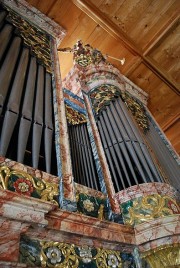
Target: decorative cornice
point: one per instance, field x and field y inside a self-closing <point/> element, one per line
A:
<point x="37" y="18"/>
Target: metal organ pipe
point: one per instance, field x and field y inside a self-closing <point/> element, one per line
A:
<point x="139" y="138"/>
<point x="13" y="105"/>
<point x="82" y="160"/>
<point x="7" y="69"/>
<point x="2" y="17"/>
<point x="5" y="36"/>
<point x="87" y="167"/>
<point x="111" y="151"/>
<point x="48" y="132"/>
<point x="27" y="110"/>
<point x="38" y="117"/>
<point x="90" y="157"/>
<point x="124" y="147"/>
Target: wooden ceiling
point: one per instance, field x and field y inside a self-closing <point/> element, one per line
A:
<point x="145" y="32"/>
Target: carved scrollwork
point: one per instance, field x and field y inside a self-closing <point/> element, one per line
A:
<point x="150" y="207"/>
<point x="35" y="39"/>
<point x="163" y="256"/>
<point x="74" y="117"/>
<point x="23" y="183"/>
<point x="108" y="259"/>
<point x="61" y="255"/>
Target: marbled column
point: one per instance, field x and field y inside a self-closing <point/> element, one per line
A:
<point x="102" y="158"/>
<point x="61" y="124"/>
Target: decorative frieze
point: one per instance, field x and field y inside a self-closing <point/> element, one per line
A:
<point x="65" y="255"/>
<point x="147" y="208"/>
<point x="27" y="185"/>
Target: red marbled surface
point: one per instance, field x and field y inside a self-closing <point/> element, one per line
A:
<point x="144" y="190"/>
<point x="156" y="229"/>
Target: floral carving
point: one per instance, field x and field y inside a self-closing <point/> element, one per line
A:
<point x="113" y="261"/>
<point x="24" y="183"/>
<point x="54" y="254"/>
<point x="23" y="186"/>
<point x="86" y="254"/>
<point x="88" y="205"/>
<point x="108" y="258"/>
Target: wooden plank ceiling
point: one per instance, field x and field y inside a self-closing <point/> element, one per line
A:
<point x="145" y="32"/>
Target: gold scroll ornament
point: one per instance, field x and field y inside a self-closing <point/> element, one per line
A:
<point x="166" y="256"/>
<point x="38" y="41"/>
<point x="74" y="117"/>
<point x="47" y="191"/>
<point x="62" y="255"/>
<point x="151" y="207"/>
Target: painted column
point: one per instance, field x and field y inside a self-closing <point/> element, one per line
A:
<point x="65" y="172"/>
<point x="102" y="158"/>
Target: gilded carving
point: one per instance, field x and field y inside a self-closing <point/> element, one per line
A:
<point x="102" y="96"/>
<point x="148" y="208"/>
<point x="164" y="256"/>
<point x="74" y="117"/>
<point x="23" y="183"/>
<point x="108" y="259"/>
<point x="34" y="38"/>
<point x="61" y="255"/>
<point x="137" y="110"/>
<point x="85" y="55"/>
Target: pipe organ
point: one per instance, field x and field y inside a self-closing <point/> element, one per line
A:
<point x="87" y="178"/>
<point x="127" y="154"/>
<point x="27" y="120"/>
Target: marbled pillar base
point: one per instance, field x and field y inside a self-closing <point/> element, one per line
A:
<point x="153" y="211"/>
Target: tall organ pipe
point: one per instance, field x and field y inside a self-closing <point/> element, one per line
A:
<point x="125" y="151"/>
<point x="138" y="137"/>
<point x="38" y="117"/>
<point x="5" y="36"/>
<point x="74" y="155"/>
<point x="27" y="110"/>
<point x="48" y="132"/>
<point x="79" y="153"/>
<point x="82" y="149"/>
<point x="7" y="69"/>
<point x="108" y="155"/>
<point x="130" y="147"/>
<point x="87" y="166"/>
<point x="92" y="167"/>
<point x="13" y="105"/>
<point x="112" y="147"/>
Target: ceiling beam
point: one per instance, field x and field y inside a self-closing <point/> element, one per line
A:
<point x="101" y="19"/>
<point x="171" y="122"/>
<point x="93" y="12"/>
<point x="170" y="23"/>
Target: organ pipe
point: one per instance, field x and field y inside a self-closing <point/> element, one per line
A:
<point x="7" y="69"/>
<point x="11" y="115"/>
<point x="27" y="110"/>
<point x="38" y="117"/>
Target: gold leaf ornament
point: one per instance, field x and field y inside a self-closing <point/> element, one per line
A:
<point x="61" y="255"/>
<point x="47" y="191"/>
